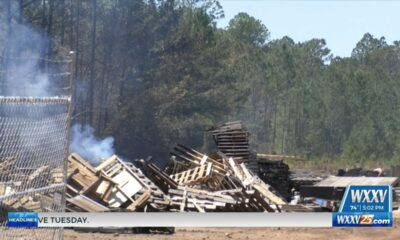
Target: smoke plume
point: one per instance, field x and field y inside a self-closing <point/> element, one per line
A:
<point x="88" y="146"/>
<point x="33" y="134"/>
<point x="26" y="71"/>
<point x="22" y="47"/>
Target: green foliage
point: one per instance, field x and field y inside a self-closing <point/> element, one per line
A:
<point x="367" y="44"/>
<point x="245" y="28"/>
<point x="165" y="73"/>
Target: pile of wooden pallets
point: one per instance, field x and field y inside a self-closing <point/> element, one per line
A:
<point x="225" y="180"/>
<point x="113" y="185"/>
<point x="277" y="174"/>
<point x="192" y="182"/>
<point x="232" y="139"/>
<point x="274" y="171"/>
<point x="16" y="179"/>
<point x="215" y="182"/>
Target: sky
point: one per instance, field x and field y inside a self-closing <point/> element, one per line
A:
<point x="341" y="23"/>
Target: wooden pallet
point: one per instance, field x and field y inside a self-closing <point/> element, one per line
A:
<point x="163" y="181"/>
<point x="112" y="184"/>
<point x="193" y="175"/>
<point x="190" y="155"/>
<point x="232" y="139"/>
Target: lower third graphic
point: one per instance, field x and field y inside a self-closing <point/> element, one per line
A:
<point x="365" y="206"/>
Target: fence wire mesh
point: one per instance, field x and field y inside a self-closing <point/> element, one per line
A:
<point x="33" y="150"/>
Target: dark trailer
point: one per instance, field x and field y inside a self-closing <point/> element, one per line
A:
<point x="329" y="192"/>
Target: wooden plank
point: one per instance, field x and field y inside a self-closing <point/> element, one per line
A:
<point x="203" y="195"/>
<point x="262" y="156"/>
<point x="38" y="172"/>
<point x="75" y="159"/>
<point x="140" y="202"/>
<point x="334" y="181"/>
<point x="197" y="206"/>
<point x="162" y="179"/>
<point x="197" y="156"/>
<point x="80" y="172"/>
<point x="87" y="204"/>
<point x="246" y="172"/>
<point x="237" y="172"/>
<point x="218" y="167"/>
<point x="106" y="163"/>
<point x="183" y="203"/>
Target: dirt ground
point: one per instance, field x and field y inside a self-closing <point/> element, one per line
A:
<point x="254" y="234"/>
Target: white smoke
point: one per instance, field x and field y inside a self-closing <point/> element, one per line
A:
<point x="22" y="47"/>
<point x="88" y="146"/>
<point x="23" y="72"/>
<point x="36" y="133"/>
<point x="24" y="78"/>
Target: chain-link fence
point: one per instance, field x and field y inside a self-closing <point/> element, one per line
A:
<point x="34" y="134"/>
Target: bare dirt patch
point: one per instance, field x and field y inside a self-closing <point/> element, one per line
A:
<point x="253" y="234"/>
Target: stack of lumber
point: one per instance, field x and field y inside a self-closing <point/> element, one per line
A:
<point x="36" y="202"/>
<point x="305" y="177"/>
<point x="277" y="174"/>
<point x="232" y="139"/>
<point x="274" y="171"/>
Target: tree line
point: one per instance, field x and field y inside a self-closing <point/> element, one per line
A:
<point x="153" y="73"/>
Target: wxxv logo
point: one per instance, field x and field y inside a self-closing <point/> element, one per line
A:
<point x="365" y="206"/>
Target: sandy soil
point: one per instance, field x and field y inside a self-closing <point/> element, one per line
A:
<point x="254" y="234"/>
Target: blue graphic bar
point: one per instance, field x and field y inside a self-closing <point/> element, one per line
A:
<point x="22" y="219"/>
<point x="365" y="206"/>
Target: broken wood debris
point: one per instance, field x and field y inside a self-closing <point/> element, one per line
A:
<point x="226" y="180"/>
<point x="191" y="181"/>
<point x="217" y="183"/>
<point x="204" y="185"/>
<point x="114" y="184"/>
<point x="15" y="178"/>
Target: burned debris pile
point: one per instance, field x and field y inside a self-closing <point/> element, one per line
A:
<point x="201" y="183"/>
<point x="275" y="172"/>
<point x="230" y="179"/>
<point x="192" y="181"/>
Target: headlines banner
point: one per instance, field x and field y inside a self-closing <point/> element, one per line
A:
<point x="362" y="206"/>
<point x="135" y="219"/>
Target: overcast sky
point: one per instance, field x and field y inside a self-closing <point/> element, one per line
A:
<point x="341" y="23"/>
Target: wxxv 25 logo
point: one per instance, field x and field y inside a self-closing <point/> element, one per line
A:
<point x="365" y="206"/>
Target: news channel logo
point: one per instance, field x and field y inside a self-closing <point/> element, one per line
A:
<point x="365" y="206"/>
<point x="22" y="219"/>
